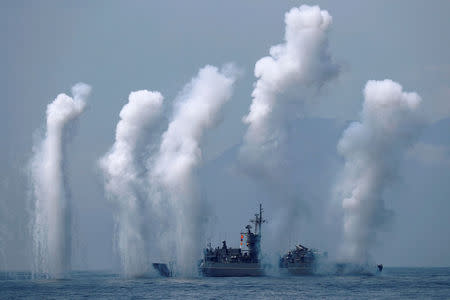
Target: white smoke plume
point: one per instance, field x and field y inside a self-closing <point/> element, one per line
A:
<point x="197" y="109"/>
<point x="372" y="148"/>
<point x="122" y="167"/>
<point x="301" y="62"/>
<point x="51" y="222"/>
<point x="287" y="80"/>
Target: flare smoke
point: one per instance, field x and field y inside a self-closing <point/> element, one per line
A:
<point x="287" y="79"/>
<point x="121" y="167"/>
<point x="196" y="110"/>
<point x="301" y="62"/>
<point x="51" y="222"/>
<point x="372" y="149"/>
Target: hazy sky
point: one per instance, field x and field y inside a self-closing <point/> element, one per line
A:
<point x="119" y="47"/>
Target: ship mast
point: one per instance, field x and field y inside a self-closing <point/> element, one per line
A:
<point x="258" y="220"/>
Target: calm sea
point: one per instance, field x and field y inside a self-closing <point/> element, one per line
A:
<point x="392" y="283"/>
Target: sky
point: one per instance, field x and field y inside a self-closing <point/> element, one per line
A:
<point x="118" y="47"/>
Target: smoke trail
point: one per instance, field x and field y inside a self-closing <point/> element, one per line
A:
<point x="123" y="182"/>
<point x="196" y="109"/>
<point x="287" y="80"/>
<point x="372" y="149"/>
<point x="51" y="224"/>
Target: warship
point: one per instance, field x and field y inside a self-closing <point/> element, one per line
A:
<point x="226" y="261"/>
<point x="300" y="261"/>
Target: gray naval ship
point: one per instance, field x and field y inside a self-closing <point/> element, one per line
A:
<point x="226" y="261"/>
<point x="300" y="261"/>
<point x="305" y="261"/>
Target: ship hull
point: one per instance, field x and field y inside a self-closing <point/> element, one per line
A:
<point x="298" y="269"/>
<point x="231" y="269"/>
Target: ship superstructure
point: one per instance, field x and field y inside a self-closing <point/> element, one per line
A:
<point x="299" y="261"/>
<point x="226" y="261"/>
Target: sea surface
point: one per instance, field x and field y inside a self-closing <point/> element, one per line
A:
<point x="392" y="283"/>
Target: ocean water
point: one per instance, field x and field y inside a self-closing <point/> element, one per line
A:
<point x="392" y="283"/>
